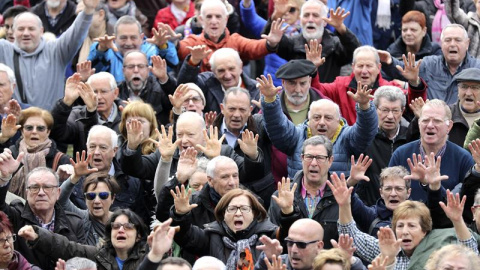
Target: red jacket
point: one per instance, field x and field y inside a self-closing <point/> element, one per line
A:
<point x="337" y="92"/>
<point x="166" y="16"/>
<point x="249" y="49"/>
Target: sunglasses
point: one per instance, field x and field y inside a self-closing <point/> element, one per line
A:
<point x="30" y="128"/>
<point x="92" y="195"/>
<point x="300" y="245"/>
<point x="292" y="10"/>
<point x="126" y="226"/>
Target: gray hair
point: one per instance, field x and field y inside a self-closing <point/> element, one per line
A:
<point x="44" y="170"/>
<point x="224" y="52"/>
<point x="394" y="172"/>
<point x="39" y="21"/>
<point x="127" y="19"/>
<point x="366" y="48"/>
<point x="10" y="74"/>
<point x="435" y="103"/>
<point x="454" y="25"/>
<point x="323" y="7"/>
<point x="79" y="263"/>
<point x="103" y="75"/>
<point x="210" y="263"/>
<point x="235" y="91"/>
<point x="135" y="51"/>
<point x="207" y="4"/>
<point x="103" y="129"/>
<point x="390" y="93"/>
<point x="191" y="115"/>
<point x="212" y="164"/>
<point x="319" y="140"/>
<point x="324" y="101"/>
<point x="202" y="163"/>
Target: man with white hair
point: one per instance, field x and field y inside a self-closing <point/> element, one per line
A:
<point x="78" y="263"/>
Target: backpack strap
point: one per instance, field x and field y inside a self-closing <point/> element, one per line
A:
<point x="18" y="77"/>
<point x="372" y="226"/>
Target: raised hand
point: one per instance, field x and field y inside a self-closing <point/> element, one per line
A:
<point x="9" y="127"/>
<point x="276" y="263"/>
<point x="71" y="89"/>
<point x="160" y="240"/>
<point x="105" y="43"/>
<point x="85" y="70"/>
<point x="285" y="196"/>
<point x="181" y="199"/>
<point x="159" y="68"/>
<point x="80" y="168"/>
<point x="314" y="53"/>
<point x="13" y="108"/>
<point x="135" y="135"/>
<point x="213" y="145"/>
<point x="64" y="171"/>
<point x="60" y="265"/>
<point x="336" y="19"/>
<point x="209" y="118"/>
<point x="90" y="6"/>
<point x="411" y="69"/>
<point x="416" y="106"/>
<point x="417" y="171"/>
<point x="276" y="33"/>
<point x="385" y="57"/>
<point x="362" y="96"/>
<point x="378" y="263"/>
<point x="28" y="233"/>
<point x="267" y="88"/>
<point x="179" y="97"/>
<point x="387" y="242"/>
<point x="474" y="147"/>
<point x="187" y="164"/>
<point x="173" y="35"/>
<point x="159" y="37"/>
<point x="270" y="246"/>
<point x="198" y="53"/>
<point x="345" y="242"/>
<point x="432" y="172"/>
<point x="339" y="188"/>
<point x="279" y="9"/>
<point x="165" y="143"/>
<point x="358" y="169"/>
<point x="88" y="96"/>
<point x="8" y="165"/>
<point x="248" y="144"/>
<point x="454" y="207"/>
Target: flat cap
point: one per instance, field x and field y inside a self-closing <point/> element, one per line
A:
<point x="296" y="68"/>
<point x="468" y="74"/>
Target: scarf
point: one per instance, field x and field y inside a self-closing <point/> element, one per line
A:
<point x="439" y="21"/>
<point x="98" y="231"/>
<point x="241" y="246"/>
<point x="34" y="157"/>
<point x="383" y="15"/>
<point x="115" y="14"/>
<point x="214" y="196"/>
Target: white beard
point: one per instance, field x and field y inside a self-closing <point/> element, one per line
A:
<point x="317" y="35"/>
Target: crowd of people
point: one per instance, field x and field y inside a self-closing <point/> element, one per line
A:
<point x="240" y="135"/>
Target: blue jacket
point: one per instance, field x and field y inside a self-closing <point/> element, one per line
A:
<point x="112" y="62"/>
<point x="364" y="215"/>
<point x="359" y="20"/>
<point x="352" y="140"/>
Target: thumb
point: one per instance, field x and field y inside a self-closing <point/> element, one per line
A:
<point x="193" y="206"/>
<point x="334" y="243"/>
<point x="20" y="156"/>
<point x="264" y="36"/>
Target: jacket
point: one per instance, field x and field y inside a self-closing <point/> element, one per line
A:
<point x="398" y="48"/>
<point x="473" y="134"/>
<point x="469" y="20"/>
<point x="66" y="18"/>
<point x="260" y="264"/>
<point x="326" y="212"/>
<point x="43" y="71"/>
<point x="20" y="263"/>
<point x="370" y="219"/>
<point x="166" y="16"/>
<point x="351" y="140"/>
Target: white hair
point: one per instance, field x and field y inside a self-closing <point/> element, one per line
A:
<point x="208" y="4"/>
<point x="10" y="74"/>
<point x="209" y="262"/>
<point x="103" y="129"/>
<point x="225" y="52"/>
<point x="103" y="75"/>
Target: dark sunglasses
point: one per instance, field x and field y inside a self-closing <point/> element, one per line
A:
<point x="300" y="245"/>
<point x="292" y="10"/>
<point x="126" y="226"/>
<point x="92" y="195"/>
<point x="39" y="128"/>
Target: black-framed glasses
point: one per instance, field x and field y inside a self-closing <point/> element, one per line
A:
<point x="232" y="209"/>
<point x="292" y="10"/>
<point x="39" y="128"/>
<point x="300" y="244"/>
<point x="10" y="239"/>
<point x="126" y="226"/>
<point x="318" y="158"/>
<point x="92" y="195"/>
<point x="47" y="188"/>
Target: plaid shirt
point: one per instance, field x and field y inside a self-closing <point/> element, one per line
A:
<point x="368" y="249"/>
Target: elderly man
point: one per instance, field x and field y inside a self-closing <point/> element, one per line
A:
<point x="337" y="48"/>
<point x="366" y="70"/>
<point x="435" y="122"/>
<point x="323" y="119"/>
<point x="101" y="107"/>
<point x="40" y="66"/>
<point x="56" y="15"/>
<point x="438" y="70"/>
<point x="226" y="72"/>
<point x="41" y="208"/>
<point x="140" y="84"/>
<point x="107" y="54"/>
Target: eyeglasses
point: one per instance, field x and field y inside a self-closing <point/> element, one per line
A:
<point x="387" y="111"/>
<point x="398" y="189"/>
<point x="47" y="188"/>
<point x="318" y="158"/>
<point x="232" y="209"/>
<point x="92" y="195"/>
<point x="473" y="87"/>
<point x="195" y="99"/>
<point x="435" y="121"/>
<point x="132" y="67"/>
<point x="39" y="128"/>
<point x="292" y="10"/>
<point x="300" y="245"/>
<point x="126" y="226"/>
<point x="10" y="239"/>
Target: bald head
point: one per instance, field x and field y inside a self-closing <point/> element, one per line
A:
<point x="308" y="228"/>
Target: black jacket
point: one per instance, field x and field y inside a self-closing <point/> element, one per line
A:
<point x="66" y="18"/>
<point x="398" y="48"/>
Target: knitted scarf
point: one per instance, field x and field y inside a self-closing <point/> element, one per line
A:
<point x="115" y="14"/>
<point x="439" y="21"/>
<point x="237" y="248"/>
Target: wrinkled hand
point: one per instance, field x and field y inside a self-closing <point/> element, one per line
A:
<point x="411" y="70"/>
<point x="85" y="70"/>
<point x="165" y="143"/>
<point x="314" y="53"/>
<point x="454" y="207"/>
<point x="13" y="108"/>
<point x="187" y="164"/>
<point x="159" y="68"/>
<point x="210" y="118"/>
<point x="358" y="169"/>
<point x="339" y="188"/>
<point x="181" y="199"/>
<point x="88" y="96"/>
<point x="416" y="106"/>
<point x="135" y="135"/>
<point x="9" y="127"/>
<point x="80" y="168"/>
<point x="336" y="19"/>
<point x="9" y="165"/>
<point x="387" y="242"/>
<point x="285" y="196"/>
<point x="276" y="263"/>
<point x="170" y="32"/>
<point x="28" y="233"/>
<point x="71" y="89"/>
<point x="270" y="246"/>
<point x="159" y="37"/>
<point x="378" y="263"/>
<point x="385" y="57"/>
<point x="198" y="53"/>
<point x="280" y="8"/>
<point x="432" y="172"/>
<point x="345" y="242"/>
<point x="64" y="171"/>
<point x="248" y="144"/>
<point x="417" y="170"/>
<point x="267" y="88"/>
<point x="362" y="96"/>
<point x="105" y="43"/>
<point x="276" y="33"/>
<point x="213" y="145"/>
<point x="160" y="240"/>
<point x="179" y="97"/>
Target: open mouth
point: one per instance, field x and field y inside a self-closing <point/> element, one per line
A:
<point x="406" y="241"/>
<point x="121" y="238"/>
<point x="452" y="51"/>
<point x="322" y="130"/>
<point x="430" y="133"/>
<point x="313" y="171"/>
<point x="238" y="224"/>
<point x="394" y="201"/>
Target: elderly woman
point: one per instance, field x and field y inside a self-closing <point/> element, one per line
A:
<point x="453" y="257"/>
<point x="124" y="246"/>
<point x="40" y="151"/>
<point x="414" y="38"/>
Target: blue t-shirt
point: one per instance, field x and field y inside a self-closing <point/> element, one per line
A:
<point x="120" y="263"/>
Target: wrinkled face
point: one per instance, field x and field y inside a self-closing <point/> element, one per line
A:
<point x="116" y="4"/>
<point x="312" y="22"/>
<point x="6" y="89"/>
<point x="135" y="70"/>
<point x="394" y="191"/>
<point x="97" y="207"/>
<point x="296" y="90"/>
<point x="105" y="95"/>
<point x="365" y="68"/>
<point x="238" y="220"/>
<point x="146" y="125"/>
<point x="35" y="131"/>
<point x="194" y="103"/>
<point x="469" y="95"/>
<point x="6" y="247"/>
<point x="454" y="45"/>
<point x="434" y="126"/>
<point x="197" y="180"/>
<point x="189" y="131"/>
<point x="225" y="179"/>
<point x="43" y="200"/>
<point x="102" y="151"/>
<point x="293" y="13"/>
<point x="128" y="38"/>
<point x="454" y="262"/>
<point x="412" y="34"/>
<point x="389" y="114"/>
<point x="236" y="111"/>
<point x="8" y="25"/>
<point x="302" y="258"/>
<point x="214" y="21"/>
<point x="409" y="230"/>
<point x="28" y="32"/>
<point x="124" y="239"/>
<point x="324" y="120"/>
<point x="316" y="170"/>
<point x="227" y="71"/>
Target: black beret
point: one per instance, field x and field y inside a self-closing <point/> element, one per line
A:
<point x="468" y="74"/>
<point x="296" y="69"/>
